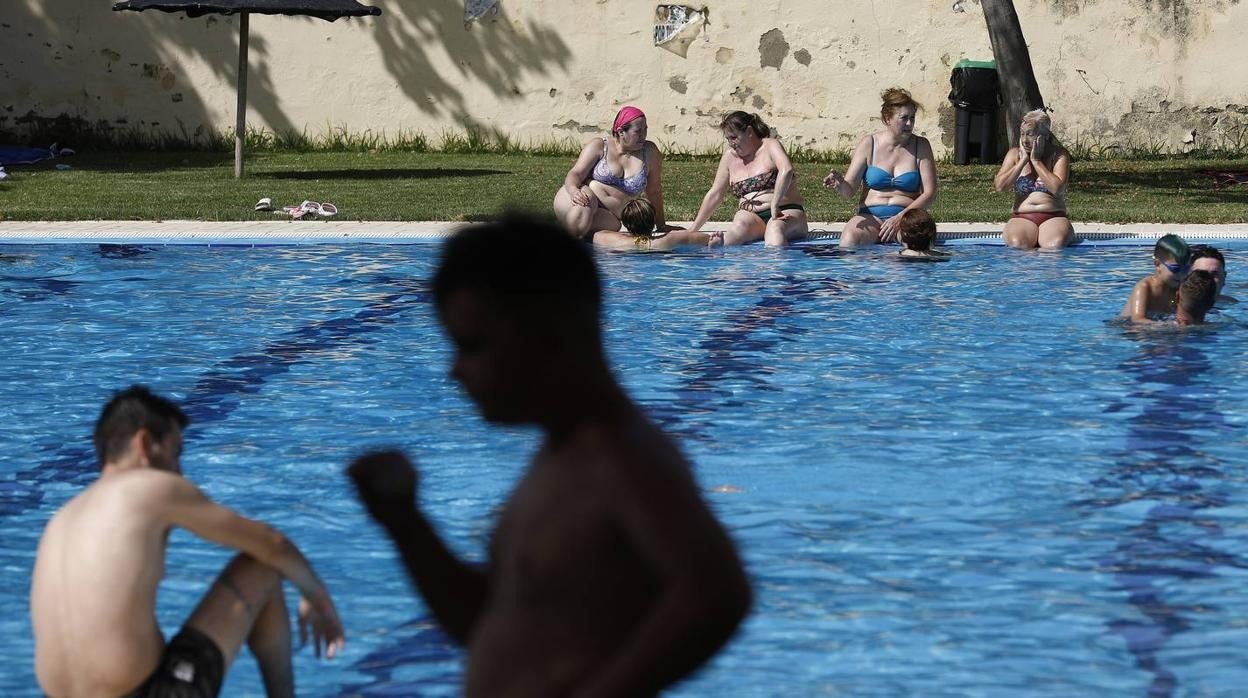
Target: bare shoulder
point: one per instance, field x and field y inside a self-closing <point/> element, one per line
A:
<point x="635" y="451"/>
<point x="924" y="148"/>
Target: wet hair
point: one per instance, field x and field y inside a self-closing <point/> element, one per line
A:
<point x="126" y="413"/>
<point x="1172" y="248"/>
<point x="918" y="229"/>
<point x="638" y="217"/>
<point x="522" y="261"/>
<point x="895" y="98"/>
<point x="745" y="121"/>
<point x="1197" y="293"/>
<point x="1201" y="251"/>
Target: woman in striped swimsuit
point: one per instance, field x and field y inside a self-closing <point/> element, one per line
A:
<point x="756" y="169"/>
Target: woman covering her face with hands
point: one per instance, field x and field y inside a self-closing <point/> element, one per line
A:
<point x="1038" y="169"/>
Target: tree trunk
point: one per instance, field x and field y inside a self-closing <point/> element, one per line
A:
<point x="1009" y="48"/>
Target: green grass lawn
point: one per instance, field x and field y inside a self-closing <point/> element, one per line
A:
<point x="444" y="186"/>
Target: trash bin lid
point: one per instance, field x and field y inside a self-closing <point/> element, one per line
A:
<point x="968" y="63"/>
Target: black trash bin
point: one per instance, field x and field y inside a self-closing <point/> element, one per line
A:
<point x="975" y="95"/>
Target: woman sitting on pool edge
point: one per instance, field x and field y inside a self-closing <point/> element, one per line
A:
<point x="897" y="171"/>
<point x="1038" y="170"/>
<point x="757" y="170"/>
<point x="638" y="219"/>
<point x="610" y="172"/>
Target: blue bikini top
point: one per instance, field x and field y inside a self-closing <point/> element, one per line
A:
<point x="879" y="179"/>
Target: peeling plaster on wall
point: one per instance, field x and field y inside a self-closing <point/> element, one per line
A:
<point x="802" y="56"/>
<point x="1160" y="121"/>
<point x="723" y="55"/>
<point x="772" y="49"/>
<point x="553" y="92"/>
<point x="758" y="102"/>
<point x="573" y="125"/>
<point x="589" y="96"/>
<point x="678" y="84"/>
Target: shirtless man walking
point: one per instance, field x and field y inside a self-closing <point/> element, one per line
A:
<point x="102" y="556"/>
<point x="607" y="573"/>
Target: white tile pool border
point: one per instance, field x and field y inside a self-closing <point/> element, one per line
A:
<point x="185" y="232"/>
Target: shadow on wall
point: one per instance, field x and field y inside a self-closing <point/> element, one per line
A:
<point x="58" y="44"/>
<point x="493" y="52"/>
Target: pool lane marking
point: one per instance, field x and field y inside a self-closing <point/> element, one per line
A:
<point x="215" y="395"/>
<point x="1157" y="439"/>
<point x="698" y="394"/>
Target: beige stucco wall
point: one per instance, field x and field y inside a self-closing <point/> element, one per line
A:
<point x="1134" y="71"/>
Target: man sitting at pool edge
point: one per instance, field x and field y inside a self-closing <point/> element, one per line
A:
<point x="102" y="556"/>
<point x="607" y="574"/>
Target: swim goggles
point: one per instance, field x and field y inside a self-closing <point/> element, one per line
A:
<point x="1176" y="268"/>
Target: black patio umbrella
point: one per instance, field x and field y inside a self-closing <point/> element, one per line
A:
<point x="328" y="10"/>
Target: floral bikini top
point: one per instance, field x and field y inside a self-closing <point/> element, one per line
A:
<point x="759" y="182"/>
<point x="632" y="185"/>
<point x="1026" y="184"/>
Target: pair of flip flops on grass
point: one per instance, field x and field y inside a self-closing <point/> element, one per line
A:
<point x="307" y="209"/>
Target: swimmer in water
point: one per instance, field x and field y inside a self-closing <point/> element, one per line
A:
<point x="638" y="219"/>
<point x="1155" y="295"/>
<point x="918" y="232"/>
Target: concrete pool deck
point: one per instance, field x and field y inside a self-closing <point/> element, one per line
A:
<point x="321" y="231"/>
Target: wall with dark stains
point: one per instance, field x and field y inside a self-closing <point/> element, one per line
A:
<point x="1163" y="74"/>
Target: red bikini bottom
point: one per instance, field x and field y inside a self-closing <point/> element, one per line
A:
<point x="1039" y="217"/>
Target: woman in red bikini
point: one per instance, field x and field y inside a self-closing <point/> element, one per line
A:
<point x="1037" y="170"/>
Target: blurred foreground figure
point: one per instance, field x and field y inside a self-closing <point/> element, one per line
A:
<point x="607" y="573"/>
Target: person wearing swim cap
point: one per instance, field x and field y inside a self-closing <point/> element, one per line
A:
<point x="1157" y="294"/>
<point x="1037" y="169"/>
<point x="896" y="170"/>
<point x="611" y="171"/>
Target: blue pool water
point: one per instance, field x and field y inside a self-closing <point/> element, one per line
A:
<point x="949" y="479"/>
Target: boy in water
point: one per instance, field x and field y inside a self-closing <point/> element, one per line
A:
<point x="638" y="219"/>
<point x="607" y="574"/>
<point x="102" y="556"/>
<point x="1210" y="259"/>
<point x="1196" y="296"/>
<point x="1155" y="295"/>
<point x="917" y="229"/>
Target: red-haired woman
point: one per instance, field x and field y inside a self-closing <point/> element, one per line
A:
<point x="896" y="170"/>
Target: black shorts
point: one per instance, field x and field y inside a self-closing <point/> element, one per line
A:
<point x="191" y="667"/>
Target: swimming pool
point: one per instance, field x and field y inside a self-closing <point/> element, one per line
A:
<point x="954" y="479"/>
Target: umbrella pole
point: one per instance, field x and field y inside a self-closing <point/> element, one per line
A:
<point x="240" y="122"/>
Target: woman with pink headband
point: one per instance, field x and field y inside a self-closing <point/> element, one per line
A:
<point x="610" y="172"/>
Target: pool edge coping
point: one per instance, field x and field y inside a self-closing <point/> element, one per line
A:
<point x="329" y="231"/>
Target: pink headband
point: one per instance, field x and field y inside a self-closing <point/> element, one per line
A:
<point x="626" y="115"/>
